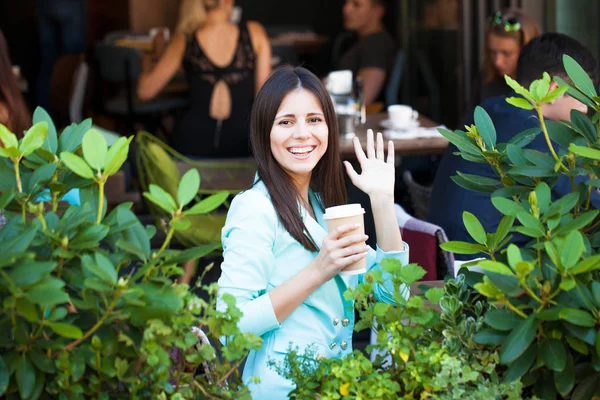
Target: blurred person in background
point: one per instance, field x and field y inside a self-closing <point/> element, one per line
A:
<point x="13" y="111"/>
<point x="62" y="28"/>
<point x="507" y="32"/>
<point x="372" y="55"/>
<point x="225" y="65"/>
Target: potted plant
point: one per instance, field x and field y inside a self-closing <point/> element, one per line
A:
<point x="88" y="308"/>
<point x="546" y="294"/>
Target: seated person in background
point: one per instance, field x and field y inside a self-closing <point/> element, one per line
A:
<point x="448" y="200"/>
<point x="372" y="56"/>
<point x="13" y="111"/>
<point x="506" y="34"/>
<point x="225" y="65"/>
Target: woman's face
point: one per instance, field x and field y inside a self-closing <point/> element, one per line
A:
<point x="299" y="134"/>
<point x="504" y="53"/>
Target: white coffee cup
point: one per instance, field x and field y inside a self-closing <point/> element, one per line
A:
<point x="402" y="115"/>
<point x="339" y="82"/>
<point x="348" y="214"/>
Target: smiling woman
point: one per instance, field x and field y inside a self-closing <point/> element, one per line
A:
<point x="280" y="262"/>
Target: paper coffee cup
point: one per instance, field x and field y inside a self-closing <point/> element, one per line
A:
<point x="348" y="214"/>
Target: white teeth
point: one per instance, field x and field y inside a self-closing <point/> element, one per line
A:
<point x="300" y="150"/>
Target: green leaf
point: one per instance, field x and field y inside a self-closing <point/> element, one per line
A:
<point x="131" y="249"/>
<point x="567" y="284"/>
<point x="555" y="94"/>
<point x="51" y="142"/>
<point x="46" y="295"/>
<point x="587" y="388"/>
<point x="480" y="180"/>
<point x="97" y="285"/>
<point x="7" y="197"/>
<point x="539" y="87"/>
<point x="462" y="247"/>
<point x="489" y="337"/>
<point x="496" y="267"/>
<point x="502" y="320"/>
<point x="520" y="102"/>
<point x="521" y="365"/>
<point x="529" y="221"/>
<point x="524" y="138"/>
<point x="164" y="197"/>
<point x="40" y="176"/>
<point x="194" y="253"/>
<point x="584" y="125"/>
<point x="518" y="340"/>
<point x="66" y="330"/>
<point x="381" y="309"/>
<point x="27" y="310"/>
<point x="553" y="354"/>
<point x="504" y="227"/>
<point x="580" y="222"/>
<point x="208" y="204"/>
<point x="564" y="204"/>
<point x="29" y="272"/>
<point x="89" y="237"/>
<point x="598" y="343"/>
<point x="77" y="165"/>
<point x="516" y="155"/>
<point x="578" y="345"/>
<point x="182" y="224"/>
<point x="188" y="187"/>
<point x="70" y="140"/>
<point x="563" y="135"/>
<point x="474" y="228"/>
<point x="411" y="273"/>
<point x="518" y="88"/>
<point x="572" y="249"/>
<point x="34" y="138"/>
<point x="543" y="194"/>
<point x="25" y="374"/>
<point x="470" y="185"/>
<point x="100" y="267"/>
<point x="461" y="141"/>
<point x="506" y="206"/>
<point x="117" y="155"/>
<point x="595" y="289"/>
<point x="586" y="152"/>
<point x="577" y="317"/>
<point x="579" y="76"/>
<point x="485" y="126"/>
<point x="4" y="376"/>
<point x="536" y="172"/>
<point x="565" y="380"/>
<point x="434" y="295"/>
<point x="8" y="138"/>
<point x="94" y="149"/>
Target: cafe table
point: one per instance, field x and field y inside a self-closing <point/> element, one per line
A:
<point x="402" y="147"/>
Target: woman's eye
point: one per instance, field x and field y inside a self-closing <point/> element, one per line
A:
<point x="285" y="122"/>
<point x="315" y="120"/>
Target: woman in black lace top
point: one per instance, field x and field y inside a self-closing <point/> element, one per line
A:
<point x="225" y="65"/>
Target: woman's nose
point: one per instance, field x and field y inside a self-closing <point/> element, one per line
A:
<point x="301" y="131"/>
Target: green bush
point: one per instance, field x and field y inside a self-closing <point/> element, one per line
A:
<point x="546" y="325"/>
<point x="88" y="308"/>
<point x="422" y="353"/>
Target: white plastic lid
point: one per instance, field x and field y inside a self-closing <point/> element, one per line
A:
<point x="348" y="210"/>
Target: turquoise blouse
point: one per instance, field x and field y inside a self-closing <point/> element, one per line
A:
<point x="259" y="254"/>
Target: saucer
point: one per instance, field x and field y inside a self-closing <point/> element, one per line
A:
<point x="411" y="124"/>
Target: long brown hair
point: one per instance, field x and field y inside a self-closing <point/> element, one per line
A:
<point x="528" y="30"/>
<point x="19" y="118"/>
<point x="327" y="177"/>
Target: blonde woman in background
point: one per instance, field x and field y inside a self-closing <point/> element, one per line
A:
<point x="507" y="32"/>
<point x="225" y="65"/>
